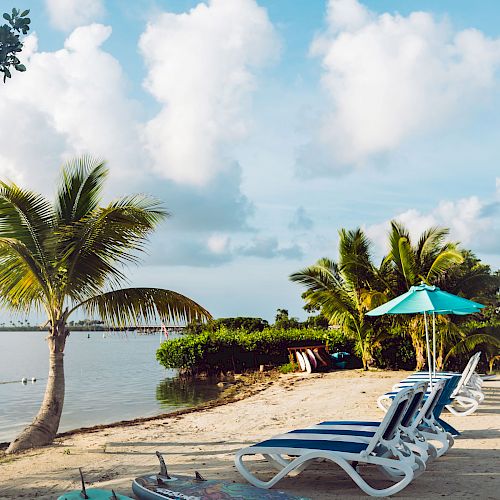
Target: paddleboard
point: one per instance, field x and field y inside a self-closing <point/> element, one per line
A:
<point x="301" y="361"/>
<point x="307" y="362"/>
<point x="312" y="359"/>
<point x="93" y="494"/>
<point x="320" y="357"/>
<point x="189" y="488"/>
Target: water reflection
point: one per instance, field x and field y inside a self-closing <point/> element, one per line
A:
<point x="186" y="391"/>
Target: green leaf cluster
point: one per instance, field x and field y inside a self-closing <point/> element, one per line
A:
<point x="10" y="44"/>
<point x="226" y="350"/>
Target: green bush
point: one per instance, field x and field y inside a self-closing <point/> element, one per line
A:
<point x="238" y="350"/>
<point x="288" y="368"/>
<point x="395" y="353"/>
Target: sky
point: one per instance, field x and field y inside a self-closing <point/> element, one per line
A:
<point x="265" y="126"/>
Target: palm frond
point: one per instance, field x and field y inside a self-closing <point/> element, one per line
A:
<point x="320" y="276"/>
<point x="27" y="217"/>
<point x="129" y="306"/>
<point x="407" y="259"/>
<point x="95" y="247"/>
<point x="471" y="342"/>
<point x="22" y="284"/>
<point x="397" y="232"/>
<point x="443" y="262"/>
<point x="79" y="189"/>
<point x="354" y="257"/>
<point x="429" y="243"/>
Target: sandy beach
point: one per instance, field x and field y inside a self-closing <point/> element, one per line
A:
<point x="206" y="441"/>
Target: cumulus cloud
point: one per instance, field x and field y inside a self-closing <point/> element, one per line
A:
<point x="301" y="221"/>
<point x="68" y="14"/>
<point x="202" y="69"/>
<point x="70" y="101"/>
<point x="390" y="77"/>
<point x="472" y="221"/>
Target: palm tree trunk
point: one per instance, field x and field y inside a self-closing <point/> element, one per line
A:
<point x="44" y="427"/>
<point x="419" y="347"/>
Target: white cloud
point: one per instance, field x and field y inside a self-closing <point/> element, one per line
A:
<point x="390" y="77"/>
<point x="69" y="101"/>
<point x="68" y="14"/>
<point x="201" y="68"/>
<point x="218" y="243"/>
<point x="472" y="221"/>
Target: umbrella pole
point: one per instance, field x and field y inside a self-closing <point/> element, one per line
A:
<point x="433" y="344"/>
<point x="428" y="351"/>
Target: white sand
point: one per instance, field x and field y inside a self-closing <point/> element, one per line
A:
<point x="206" y="441"/>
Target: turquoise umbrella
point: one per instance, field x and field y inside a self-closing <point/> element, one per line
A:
<point x="427" y="299"/>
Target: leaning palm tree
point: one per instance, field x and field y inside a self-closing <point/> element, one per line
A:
<point x="344" y="291"/>
<point x="70" y="255"/>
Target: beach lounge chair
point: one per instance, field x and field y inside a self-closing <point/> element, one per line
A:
<point x="294" y="451"/>
<point x="445" y="399"/>
<point x="418" y="426"/>
<point x="467" y="395"/>
<point x="366" y="430"/>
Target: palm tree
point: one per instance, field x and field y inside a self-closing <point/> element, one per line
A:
<point x="69" y="256"/>
<point x="346" y="290"/>
<point x="429" y="261"/>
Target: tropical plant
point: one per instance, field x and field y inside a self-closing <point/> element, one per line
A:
<point x="223" y="350"/>
<point x="10" y="45"/>
<point x="429" y="260"/>
<point x="69" y="256"/>
<point x="345" y="291"/>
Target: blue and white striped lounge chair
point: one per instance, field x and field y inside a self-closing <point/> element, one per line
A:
<point x="445" y="399"/>
<point x="418" y="425"/>
<point x="294" y="451"/>
<point x="467" y="395"/>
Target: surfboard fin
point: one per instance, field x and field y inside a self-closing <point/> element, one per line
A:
<point x="163" y="466"/>
<point x="83" y="493"/>
<point x="198" y="476"/>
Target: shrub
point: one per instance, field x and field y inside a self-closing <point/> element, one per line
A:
<point x="288" y="368"/>
<point x="249" y="325"/>
<point x="238" y="350"/>
<point x="395" y="353"/>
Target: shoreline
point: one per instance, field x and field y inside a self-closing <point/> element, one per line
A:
<point x="248" y="387"/>
<point x="207" y="440"/>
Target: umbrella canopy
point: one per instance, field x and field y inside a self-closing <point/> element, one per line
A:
<point x="427" y="298"/>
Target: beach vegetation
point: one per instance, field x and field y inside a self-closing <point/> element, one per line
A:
<point x="288" y="368"/>
<point x="70" y="256"/>
<point x="344" y="290"/>
<point x="247" y="324"/>
<point x="237" y="351"/>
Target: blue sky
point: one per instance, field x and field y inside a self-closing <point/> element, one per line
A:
<point x="265" y="126"/>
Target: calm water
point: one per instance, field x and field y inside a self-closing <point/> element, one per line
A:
<point x="107" y="379"/>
